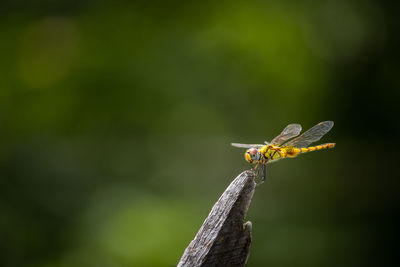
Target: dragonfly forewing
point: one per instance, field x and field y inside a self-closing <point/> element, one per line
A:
<point x="290" y="131"/>
<point x="246" y="145"/>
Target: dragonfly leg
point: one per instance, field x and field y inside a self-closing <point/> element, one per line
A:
<point x="264" y="174"/>
<point x="255" y="167"/>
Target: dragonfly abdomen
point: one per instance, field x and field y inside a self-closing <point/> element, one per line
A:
<point x="294" y="151"/>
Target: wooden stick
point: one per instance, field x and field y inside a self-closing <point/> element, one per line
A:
<point x="223" y="239"/>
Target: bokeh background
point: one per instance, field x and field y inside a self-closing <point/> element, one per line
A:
<point x="116" y="120"/>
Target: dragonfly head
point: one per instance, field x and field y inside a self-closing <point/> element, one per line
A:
<point x="252" y="155"/>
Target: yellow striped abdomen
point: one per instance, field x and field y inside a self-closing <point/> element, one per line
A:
<point x="292" y="152"/>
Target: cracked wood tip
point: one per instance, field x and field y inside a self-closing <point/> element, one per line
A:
<point x="224" y="239"/>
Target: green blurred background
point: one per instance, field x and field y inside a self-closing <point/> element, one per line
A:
<point x="116" y="120"/>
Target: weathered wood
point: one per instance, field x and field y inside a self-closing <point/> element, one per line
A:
<point x="223" y="239"/>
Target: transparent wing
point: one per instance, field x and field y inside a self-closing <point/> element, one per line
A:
<point x="292" y="130"/>
<point x="246" y="145"/>
<point x="312" y="135"/>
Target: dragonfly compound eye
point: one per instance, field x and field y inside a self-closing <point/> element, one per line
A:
<point x="253" y="152"/>
<point x="251" y="155"/>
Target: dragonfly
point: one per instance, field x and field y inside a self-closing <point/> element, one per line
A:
<point x="284" y="146"/>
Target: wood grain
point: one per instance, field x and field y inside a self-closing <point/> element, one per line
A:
<point x="224" y="239"/>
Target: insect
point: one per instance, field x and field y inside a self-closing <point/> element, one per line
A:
<point x="280" y="147"/>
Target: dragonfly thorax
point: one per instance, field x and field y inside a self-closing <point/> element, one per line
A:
<point x="252" y="155"/>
